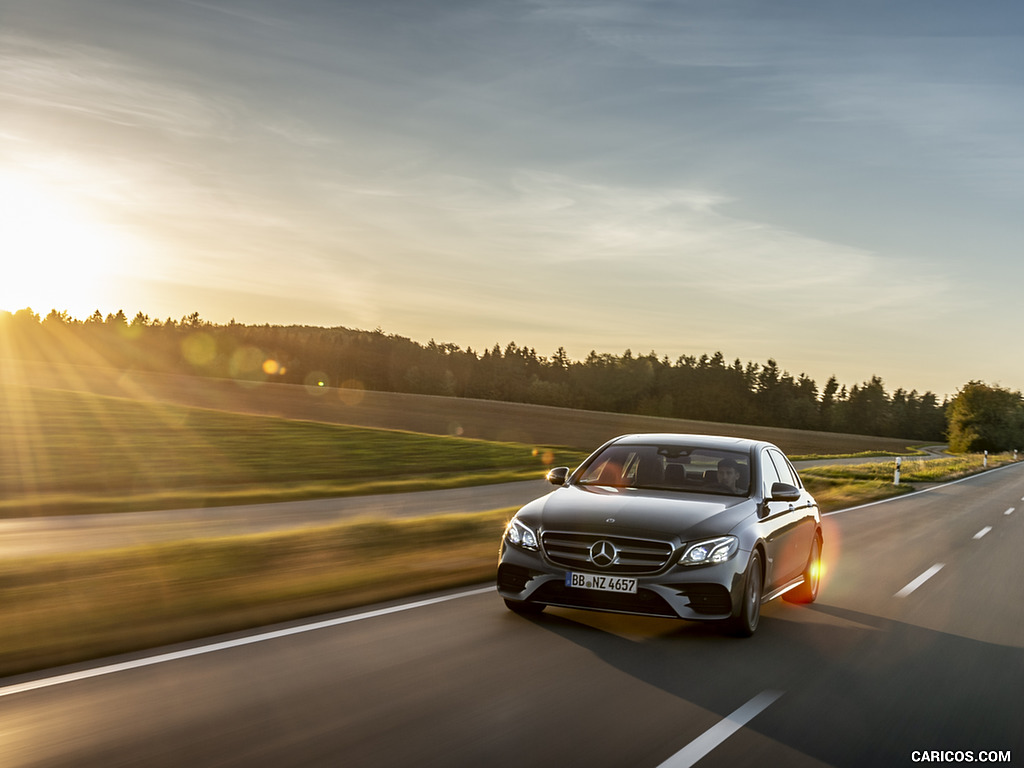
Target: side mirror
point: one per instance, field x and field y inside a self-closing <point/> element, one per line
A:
<point x="558" y="475"/>
<point x="785" y="492"/>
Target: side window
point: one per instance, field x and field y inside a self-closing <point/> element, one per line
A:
<point x="785" y="469"/>
<point x="796" y="475"/>
<point x="769" y="474"/>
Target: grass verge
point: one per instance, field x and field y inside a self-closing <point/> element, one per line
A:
<point x="845" y="485"/>
<point x="70" y="608"/>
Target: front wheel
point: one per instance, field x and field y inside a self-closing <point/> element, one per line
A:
<point x="808" y="591"/>
<point x="745" y="622"/>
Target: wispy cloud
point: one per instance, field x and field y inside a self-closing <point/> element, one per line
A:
<point x="235" y="12"/>
<point x="95" y="83"/>
<point x="684" y="240"/>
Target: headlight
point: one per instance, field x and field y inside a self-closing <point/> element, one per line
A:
<point x="711" y="551"/>
<point x="518" y="534"/>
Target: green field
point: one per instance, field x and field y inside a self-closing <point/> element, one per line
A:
<point x="73" y="452"/>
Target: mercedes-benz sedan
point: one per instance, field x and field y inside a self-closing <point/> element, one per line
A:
<point x="684" y="526"/>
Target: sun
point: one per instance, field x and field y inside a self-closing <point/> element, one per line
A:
<point x="56" y="253"/>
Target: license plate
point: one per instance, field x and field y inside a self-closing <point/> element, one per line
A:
<point x="600" y="583"/>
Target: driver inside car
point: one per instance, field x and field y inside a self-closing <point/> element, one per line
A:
<point x="729" y="477"/>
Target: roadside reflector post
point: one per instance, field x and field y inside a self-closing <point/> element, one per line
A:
<point x="985" y="463"/>
<point x="899" y="462"/>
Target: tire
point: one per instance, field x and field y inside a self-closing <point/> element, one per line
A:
<point x="523" y="608"/>
<point x="745" y="622"/>
<point x="808" y="591"/>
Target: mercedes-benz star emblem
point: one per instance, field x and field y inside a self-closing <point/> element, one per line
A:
<point x="603" y="553"/>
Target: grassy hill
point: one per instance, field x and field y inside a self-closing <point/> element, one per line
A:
<point x="428" y="414"/>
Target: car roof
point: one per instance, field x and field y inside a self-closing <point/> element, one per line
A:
<point x="720" y="442"/>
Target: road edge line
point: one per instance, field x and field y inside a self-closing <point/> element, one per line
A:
<point x="223" y="645"/>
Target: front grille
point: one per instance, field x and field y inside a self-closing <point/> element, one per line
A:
<point x="572" y="550"/>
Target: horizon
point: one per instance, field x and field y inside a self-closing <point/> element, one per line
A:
<point x="502" y="347"/>
<point x="832" y="187"/>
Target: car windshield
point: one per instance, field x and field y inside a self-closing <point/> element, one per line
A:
<point x="670" y="467"/>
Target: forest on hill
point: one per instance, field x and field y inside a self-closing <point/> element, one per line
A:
<point x="705" y="388"/>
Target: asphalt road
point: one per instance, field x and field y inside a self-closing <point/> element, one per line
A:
<point x="66" y="533"/>
<point x="916" y="645"/>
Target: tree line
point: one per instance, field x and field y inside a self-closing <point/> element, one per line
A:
<point x="706" y="388"/>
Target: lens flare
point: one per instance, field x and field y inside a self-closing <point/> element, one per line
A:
<point x="199" y="349"/>
<point x="352" y="392"/>
<point x="246" y="363"/>
<point x="316" y="382"/>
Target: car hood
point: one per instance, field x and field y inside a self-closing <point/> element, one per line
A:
<point x="632" y="512"/>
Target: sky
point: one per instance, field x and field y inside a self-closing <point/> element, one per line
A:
<point x="836" y="186"/>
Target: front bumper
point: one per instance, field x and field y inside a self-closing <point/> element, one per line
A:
<point x="698" y="593"/>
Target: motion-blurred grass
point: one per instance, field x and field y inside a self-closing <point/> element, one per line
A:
<point x="912" y="470"/>
<point x="70" y="452"/>
<point x="64" y="609"/>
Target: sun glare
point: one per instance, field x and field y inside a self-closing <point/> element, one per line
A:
<point x="55" y="254"/>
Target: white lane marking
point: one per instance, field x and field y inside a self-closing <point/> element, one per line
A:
<point x="721" y="731"/>
<point x="919" y="580"/>
<point x="982" y="532"/>
<point x="110" y="669"/>
<point x="1011" y="510"/>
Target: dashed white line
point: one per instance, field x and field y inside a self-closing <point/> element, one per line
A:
<point x="919" y="580"/>
<point x="1011" y="510"/>
<point x="721" y="731"/>
<point x="982" y="532"/>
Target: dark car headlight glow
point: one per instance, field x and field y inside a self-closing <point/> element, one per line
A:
<point x="521" y="535"/>
<point x="711" y="551"/>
